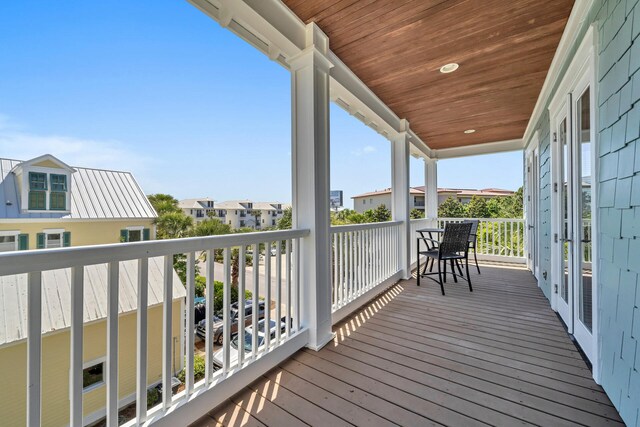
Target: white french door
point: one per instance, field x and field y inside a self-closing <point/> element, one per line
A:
<point x="532" y="199"/>
<point x="573" y="136"/>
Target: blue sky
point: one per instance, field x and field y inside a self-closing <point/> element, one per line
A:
<point x="159" y="89"/>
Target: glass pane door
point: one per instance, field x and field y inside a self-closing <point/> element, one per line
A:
<point x="565" y="211"/>
<point x="584" y="192"/>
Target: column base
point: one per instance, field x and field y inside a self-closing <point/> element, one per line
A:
<point x="322" y="342"/>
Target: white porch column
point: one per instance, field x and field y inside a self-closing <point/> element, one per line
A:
<point x="400" y="194"/>
<point x="431" y="188"/>
<point x="310" y="176"/>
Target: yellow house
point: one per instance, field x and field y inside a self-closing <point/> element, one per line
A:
<point x="47" y="204"/>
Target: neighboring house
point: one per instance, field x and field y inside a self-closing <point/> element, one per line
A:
<point x="372" y="200"/>
<point x="46" y="203"/>
<point x="56" y="339"/>
<point x="200" y="209"/>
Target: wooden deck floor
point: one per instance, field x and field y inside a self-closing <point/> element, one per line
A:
<point x="412" y="357"/>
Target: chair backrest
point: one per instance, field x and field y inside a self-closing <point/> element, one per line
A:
<point x="474" y="229"/>
<point x="456" y="237"/>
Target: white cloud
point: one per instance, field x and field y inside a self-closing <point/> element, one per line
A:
<point x="367" y="149"/>
<point x="20" y="144"/>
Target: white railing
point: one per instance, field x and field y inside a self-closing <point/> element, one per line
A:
<point x="587" y="252"/>
<point x="414" y="225"/>
<point x="171" y="409"/>
<point x="497" y="238"/>
<point x="363" y="257"/>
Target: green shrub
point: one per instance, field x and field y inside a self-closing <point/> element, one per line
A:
<point x="198" y="369"/>
<point x="153" y="397"/>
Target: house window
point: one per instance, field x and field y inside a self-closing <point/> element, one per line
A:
<point x="135" y="234"/>
<point x="55" y="238"/>
<point x="273" y="222"/>
<point x="241" y="223"/>
<point x="93" y="375"/>
<point x="8" y="243"/>
<point x="37" y="191"/>
<point x="13" y="241"/>
<point x="58" y="182"/>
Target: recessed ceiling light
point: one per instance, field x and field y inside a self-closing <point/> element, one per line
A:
<point x="469" y="131"/>
<point x="449" y="68"/>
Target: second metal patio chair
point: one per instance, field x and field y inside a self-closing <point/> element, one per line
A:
<point x="454" y="247"/>
<point x="473" y="240"/>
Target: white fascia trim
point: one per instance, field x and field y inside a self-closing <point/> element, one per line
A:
<point x="9" y="232"/>
<point x="53" y="230"/>
<point x="271" y="27"/>
<point x="28" y="220"/>
<point x="474" y="150"/>
<point x="569" y="37"/>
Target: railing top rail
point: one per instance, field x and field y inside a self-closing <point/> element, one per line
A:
<point x="482" y="219"/>
<point x="367" y="226"/>
<point x="53" y="259"/>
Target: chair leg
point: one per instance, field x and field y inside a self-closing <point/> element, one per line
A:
<point x="444" y="270"/>
<point x="431" y="267"/>
<point x="459" y="267"/>
<point x="418" y="269"/>
<point x="453" y="272"/>
<point x="466" y="264"/>
<point x="440" y="276"/>
<point x="475" y="256"/>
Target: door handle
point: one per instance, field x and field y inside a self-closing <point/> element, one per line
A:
<point x="531" y="227"/>
<point x="586" y="240"/>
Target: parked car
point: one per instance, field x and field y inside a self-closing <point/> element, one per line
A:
<point x="246" y="343"/>
<point x="218" y="323"/>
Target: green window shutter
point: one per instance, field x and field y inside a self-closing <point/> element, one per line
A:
<point x="124" y="235"/>
<point x="146" y="234"/>
<point x="23" y="242"/>
<point x="40" y="240"/>
<point x="58" y="201"/>
<point x="37" y="200"/>
<point x="66" y="239"/>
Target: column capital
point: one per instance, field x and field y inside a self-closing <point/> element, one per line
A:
<point x="316" y="50"/>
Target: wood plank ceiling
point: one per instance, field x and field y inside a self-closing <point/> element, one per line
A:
<point x="396" y="47"/>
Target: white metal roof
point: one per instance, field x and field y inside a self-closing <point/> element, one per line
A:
<point x="56" y="296"/>
<point x="95" y="194"/>
<point x="195" y="203"/>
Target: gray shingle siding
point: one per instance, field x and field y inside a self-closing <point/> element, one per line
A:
<point x="619" y="207"/>
<point x="618" y="186"/>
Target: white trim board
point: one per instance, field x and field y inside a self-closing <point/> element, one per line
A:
<point x="569" y="37"/>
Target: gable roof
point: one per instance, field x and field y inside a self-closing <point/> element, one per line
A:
<point x="95" y="194"/>
<point x="195" y="203"/>
<point x="42" y="159"/>
<point x="56" y="296"/>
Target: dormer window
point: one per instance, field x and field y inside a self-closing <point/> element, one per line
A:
<point x="37" y="191"/>
<point x="58" y="196"/>
<point x="44" y="184"/>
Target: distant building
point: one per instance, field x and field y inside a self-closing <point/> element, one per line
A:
<point x="236" y="213"/>
<point x="372" y="200"/>
<point x="198" y="209"/>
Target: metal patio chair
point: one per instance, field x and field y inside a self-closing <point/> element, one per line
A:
<point x="473" y="240"/>
<point x="453" y="248"/>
